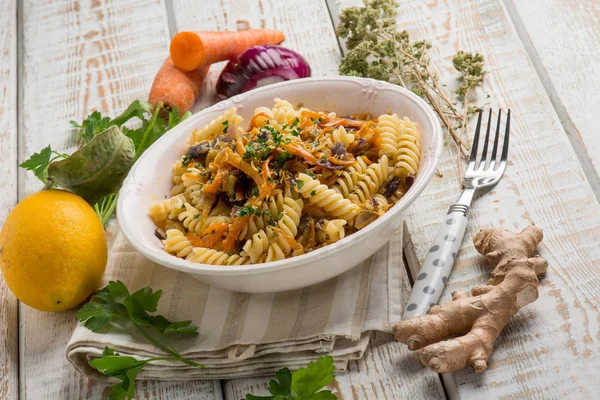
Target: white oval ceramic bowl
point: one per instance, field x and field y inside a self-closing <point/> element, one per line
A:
<point x="150" y="180"/>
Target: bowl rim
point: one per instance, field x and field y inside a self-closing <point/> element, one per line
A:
<point x="168" y="260"/>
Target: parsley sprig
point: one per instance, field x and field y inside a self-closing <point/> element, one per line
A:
<point x="303" y="384"/>
<point x="114" y="304"/>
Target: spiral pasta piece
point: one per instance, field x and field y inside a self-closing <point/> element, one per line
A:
<point x="178" y="171"/>
<point x="340" y="135"/>
<point x="332" y="202"/>
<point x="349" y="177"/>
<point x="256" y="246"/>
<point x="409" y="149"/>
<point x="274" y="253"/>
<point x="202" y="255"/>
<point x="284" y="112"/>
<point x="193" y="181"/>
<point x="177" y="243"/>
<point x="177" y="205"/>
<point x="216" y="127"/>
<point x="331" y="231"/>
<point x="388" y="130"/>
<point x="371" y="181"/>
<point x="160" y="210"/>
<point x="292" y="212"/>
<point x="191" y="219"/>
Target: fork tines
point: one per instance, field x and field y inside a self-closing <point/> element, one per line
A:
<point x="484" y="162"/>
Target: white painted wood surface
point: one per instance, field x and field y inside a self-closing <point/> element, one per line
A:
<point x="547" y="348"/>
<point x="9" y="328"/>
<point x="78" y="56"/>
<point x="562" y="37"/>
<point x="81" y="56"/>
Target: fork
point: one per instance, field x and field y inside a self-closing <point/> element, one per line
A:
<point x="484" y="173"/>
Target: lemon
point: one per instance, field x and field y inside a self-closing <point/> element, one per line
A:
<point x="52" y="250"/>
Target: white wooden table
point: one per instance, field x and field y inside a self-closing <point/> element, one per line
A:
<point x="60" y="59"/>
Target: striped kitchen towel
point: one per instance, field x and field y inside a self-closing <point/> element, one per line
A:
<point x="243" y="334"/>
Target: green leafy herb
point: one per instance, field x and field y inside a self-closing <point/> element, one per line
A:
<point x="248" y="210"/>
<point x="98" y="168"/>
<point x="281" y="159"/>
<point x="313" y="192"/>
<point x="300" y="183"/>
<point x="114" y="304"/>
<point x="303" y="384"/>
<point x="254" y="191"/>
<point x="38" y="162"/>
<point x="103" y="195"/>
<point x="225" y="126"/>
<point x="376" y="49"/>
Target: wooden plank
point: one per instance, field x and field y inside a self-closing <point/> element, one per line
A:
<point x="547" y="348"/>
<point x="9" y="325"/>
<point x="80" y="56"/>
<point x="309" y="31"/>
<point x="562" y="47"/>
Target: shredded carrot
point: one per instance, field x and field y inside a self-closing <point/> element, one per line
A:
<point x="236" y="227"/>
<point x="258" y="115"/>
<point x="175" y="88"/>
<point x="239" y="147"/>
<point x="300" y="151"/>
<point x="214" y="234"/>
<point x="190" y="50"/>
<point x="338" y="161"/>
<point x="196" y="241"/>
<point x="266" y="172"/>
<point x="265" y="188"/>
<point x="214" y="186"/>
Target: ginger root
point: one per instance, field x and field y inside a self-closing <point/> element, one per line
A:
<point x="475" y="321"/>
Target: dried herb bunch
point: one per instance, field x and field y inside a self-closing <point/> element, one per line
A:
<point x="377" y="49"/>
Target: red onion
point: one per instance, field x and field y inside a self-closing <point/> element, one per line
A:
<point x="259" y="66"/>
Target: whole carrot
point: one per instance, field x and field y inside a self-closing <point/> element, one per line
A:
<point x="190" y="50"/>
<point x="174" y="87"/>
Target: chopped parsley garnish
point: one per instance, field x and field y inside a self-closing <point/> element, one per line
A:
<point x="186" y="160"/>
<point x="300" y="184"/>
<point x="281" y="159"/>
<point x="313" y="192"/>
<point x="225" y="126"/>
<point x="317" y="121"/>
<point x="248" y="210"/>
<point x="295" y="122"/>
<point x="196" y="216"/>
<point x="254" y="191"/>
<point x="257" y="150"/>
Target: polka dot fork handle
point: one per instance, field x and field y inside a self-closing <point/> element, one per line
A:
<point x="482" y="172"/>
<point x="436" y="268"/>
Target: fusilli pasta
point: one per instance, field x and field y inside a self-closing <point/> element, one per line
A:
<point x="289" y="182"/>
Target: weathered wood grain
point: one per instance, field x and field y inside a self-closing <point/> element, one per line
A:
<point x="79" y="56"/>
<point x="561" y="38"/>
<point x="9" y="338"/>
<point x="309" y="31"/>
<point x="547" y="349"/>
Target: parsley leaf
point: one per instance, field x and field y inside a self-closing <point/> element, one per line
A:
<point x="303" y="384"/>
<point x="38" y="163"/>
<point x="115" y="303"/>
<point x="300" y="184"/>
<point x="281" y="159"/>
